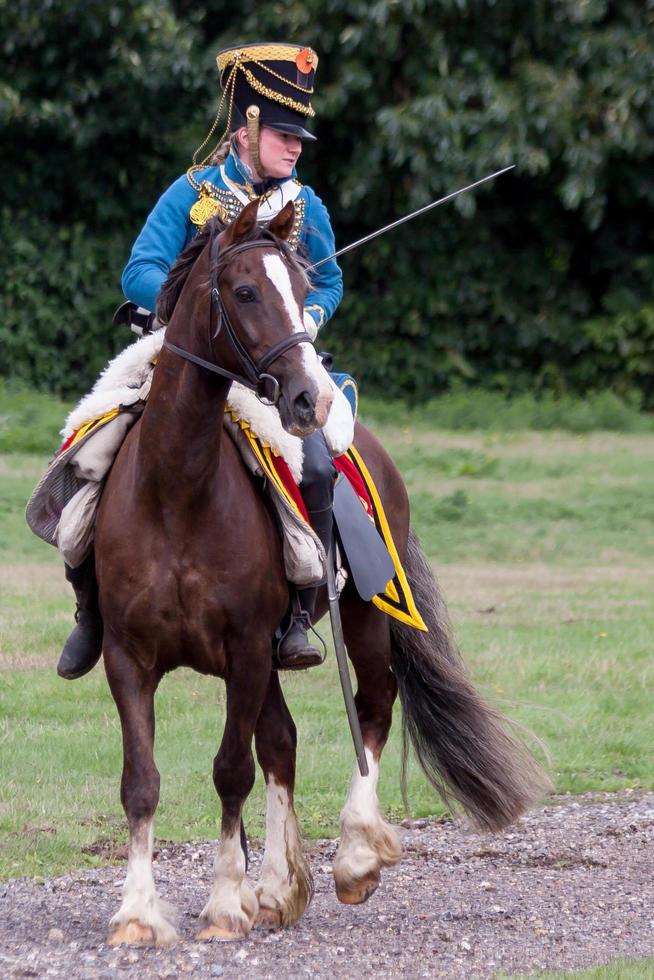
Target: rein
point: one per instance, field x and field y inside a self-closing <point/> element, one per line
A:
<point x="254" y="376"/>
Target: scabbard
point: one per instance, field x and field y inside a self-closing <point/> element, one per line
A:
<point x="341" y="660"/>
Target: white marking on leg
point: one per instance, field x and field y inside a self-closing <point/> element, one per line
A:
<point x="368" y="843"/>
<point x="362" y="798"/>
<point x="278" y="274"/>
<point x="285" y="884"/>
<point x="232" y="905"/>
<point x="141" y="903"/>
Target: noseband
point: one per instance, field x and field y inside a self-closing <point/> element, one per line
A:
<point x="254" y="374"/>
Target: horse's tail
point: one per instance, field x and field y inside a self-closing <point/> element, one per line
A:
<point x="462" y="744"/>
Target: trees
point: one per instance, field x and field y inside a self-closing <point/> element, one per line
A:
<point x="543" y="279"/>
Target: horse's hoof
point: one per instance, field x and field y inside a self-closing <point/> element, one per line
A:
<point x="360" y="893"/>
<point x="225" y="934"/>
<point x="268" y="919"/>
<point x="131" y="933"/>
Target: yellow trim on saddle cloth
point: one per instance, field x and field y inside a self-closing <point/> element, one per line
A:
<point x="90" y="425"/>
<point x="264" y="454"/>
<point x="397" y="601"/>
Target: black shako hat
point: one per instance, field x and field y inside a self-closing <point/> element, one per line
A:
<point x="275" y="79"/>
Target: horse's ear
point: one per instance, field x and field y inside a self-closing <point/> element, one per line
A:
<point x="242" y="226"/>
<point x="282" y="224"/>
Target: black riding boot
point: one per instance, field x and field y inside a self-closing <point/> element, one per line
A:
<point x="295" y="650"/>
<point x="84" y="645"/>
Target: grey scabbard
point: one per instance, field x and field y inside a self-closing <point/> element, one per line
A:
<point x="341" y="660"/>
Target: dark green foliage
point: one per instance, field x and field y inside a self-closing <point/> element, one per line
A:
<point x="58" y="296"/>
<point x="94" y="107"/>
<point x="543" y="281"/>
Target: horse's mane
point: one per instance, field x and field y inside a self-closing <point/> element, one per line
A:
<point x="181" y="268"/>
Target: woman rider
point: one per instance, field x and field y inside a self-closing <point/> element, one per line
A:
<point x="267" y="92"/>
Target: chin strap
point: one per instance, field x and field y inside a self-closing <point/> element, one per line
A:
<point x="252" y="121"/>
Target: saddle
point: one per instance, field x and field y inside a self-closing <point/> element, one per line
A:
<point x="63" y="506"/>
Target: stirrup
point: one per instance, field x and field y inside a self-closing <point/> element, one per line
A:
<point x="306" y="655"/>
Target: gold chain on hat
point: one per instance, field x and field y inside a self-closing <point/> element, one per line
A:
<point x="228" y="93"/>
<point x="275" y="74"/>
<point x="270" y="93"/>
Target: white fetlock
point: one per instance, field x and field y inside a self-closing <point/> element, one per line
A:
<point x="285" y="887"/>
<point x="143" y="918"/>
<point x="368" y="842"/>
<point x="229" y="914"/>
<point x="232" y="907"/>
<point x="143" y="925"/>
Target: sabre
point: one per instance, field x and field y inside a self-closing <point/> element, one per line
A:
<point x="341" y="660"/>
<point x="409" y="217"/>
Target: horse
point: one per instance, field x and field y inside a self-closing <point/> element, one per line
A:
<point x="190" y="573"/>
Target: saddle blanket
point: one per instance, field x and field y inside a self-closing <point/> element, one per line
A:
<point x="63" y="506"/>
<point x="396" y="600"/>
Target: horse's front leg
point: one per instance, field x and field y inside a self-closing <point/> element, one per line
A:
<point x="142" y="917"/>
<point x="368" y="842"/>
<point x="232" y="907"/>
<point x="285" y="885"/>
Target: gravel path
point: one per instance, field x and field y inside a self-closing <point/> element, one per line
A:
<point x="572" y="885"/>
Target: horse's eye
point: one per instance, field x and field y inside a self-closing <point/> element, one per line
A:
<point x="244" y="294"/>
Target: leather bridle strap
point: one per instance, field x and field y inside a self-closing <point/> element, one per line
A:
<point x="255" y="376"/>
<point x="209" y="365"/>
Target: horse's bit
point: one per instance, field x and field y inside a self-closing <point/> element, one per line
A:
<point x="254" y="374"/>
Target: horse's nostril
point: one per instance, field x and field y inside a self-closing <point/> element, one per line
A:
<point x="305" y="407"/>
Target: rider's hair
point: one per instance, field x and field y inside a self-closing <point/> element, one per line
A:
<point x="221" y="152"/>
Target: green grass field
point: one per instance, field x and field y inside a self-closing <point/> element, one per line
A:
<point x="542" y="543"/>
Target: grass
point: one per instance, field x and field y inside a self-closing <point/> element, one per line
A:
<point x="29" y="421"/>
<point x="542" y="543"/>
<point x="489" y="411"/>
<point x="619" y="970"/>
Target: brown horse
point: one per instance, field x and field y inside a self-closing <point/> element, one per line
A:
<point x="190" y="572"/>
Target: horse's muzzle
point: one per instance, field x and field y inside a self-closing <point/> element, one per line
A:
<point x="304" y="413"/>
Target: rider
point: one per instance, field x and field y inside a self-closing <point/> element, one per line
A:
<point x="267" y="92"/>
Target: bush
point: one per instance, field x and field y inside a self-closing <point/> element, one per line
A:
<point x="61" y="288"/>
<point x="542" y="281"/>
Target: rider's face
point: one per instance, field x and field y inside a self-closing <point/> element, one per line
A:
<point x="278" y="152"/>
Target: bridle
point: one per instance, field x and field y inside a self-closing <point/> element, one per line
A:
<point x="254" y="374"/>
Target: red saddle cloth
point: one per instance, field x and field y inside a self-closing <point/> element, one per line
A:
<point x="397" y="601"/>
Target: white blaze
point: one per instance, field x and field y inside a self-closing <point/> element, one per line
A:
<point x="278" y="274"/>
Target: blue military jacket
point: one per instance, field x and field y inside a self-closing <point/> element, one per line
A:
<point x="169" y="228"/>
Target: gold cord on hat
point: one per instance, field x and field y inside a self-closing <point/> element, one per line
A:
<point x="252" y="123"/>
<point x="228" y="94"/>
<point x="266" y="52"/>
<point x="273" y="95"/>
